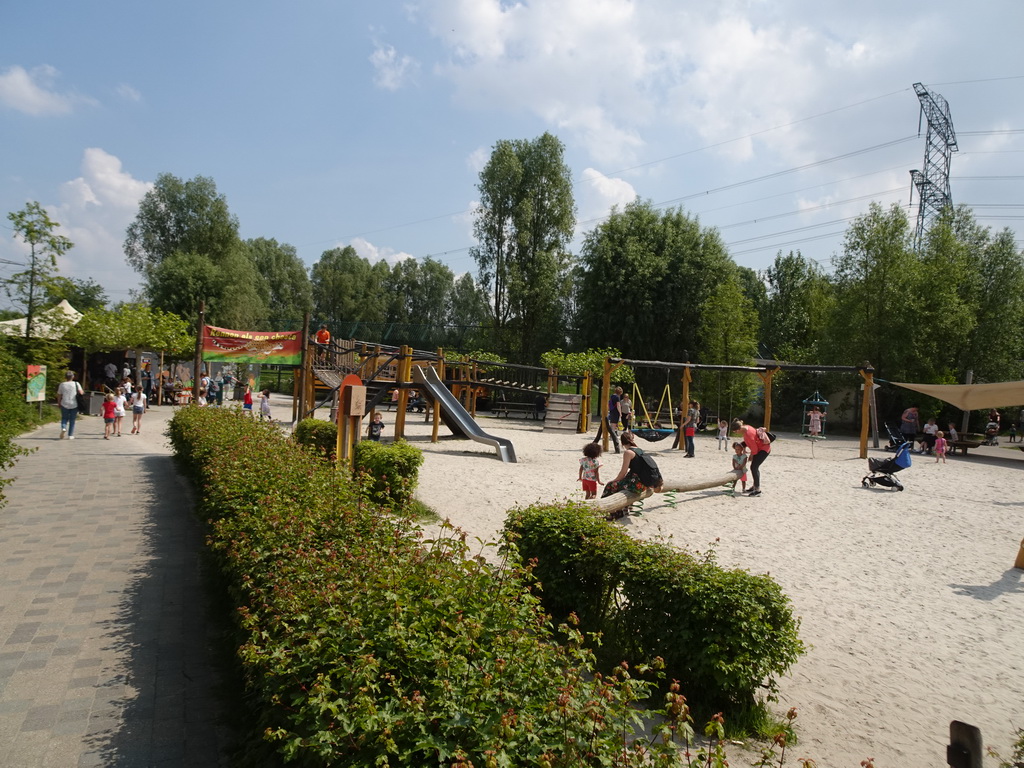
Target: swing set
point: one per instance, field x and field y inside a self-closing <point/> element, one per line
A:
<point x="764" y="372"/>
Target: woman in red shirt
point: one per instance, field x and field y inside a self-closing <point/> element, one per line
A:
<point x="760" y="446"/>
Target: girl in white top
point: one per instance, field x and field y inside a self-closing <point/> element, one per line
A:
<point x="120" y="401"/>
<point x="625" y="411"/>
<point x="723" y="437"/>
<point x="138" y="409"/>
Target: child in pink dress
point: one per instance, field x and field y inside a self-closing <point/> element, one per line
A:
<point x="940" y="446"/>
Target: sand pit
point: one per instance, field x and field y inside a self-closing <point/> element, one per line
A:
<point x="908" y="600"/>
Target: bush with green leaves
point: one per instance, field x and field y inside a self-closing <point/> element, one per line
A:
<point x="318" y="434"/>
<point x="725" y="634"/>
<point x="391" y="471"/>
<point x="364" y="645"/>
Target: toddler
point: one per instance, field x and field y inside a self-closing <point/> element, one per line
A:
<point x="590" y="470"/>
<point x="265" y="405"/>
<point x="814" y="418"/>
<point x="723" y="435"/>
<point x="376" y="427"/>
<point x="739" y="461"/>
<point x="940" y="447"/>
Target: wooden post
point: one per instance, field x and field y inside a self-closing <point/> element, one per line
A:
<point x="588" y="384"/>
<point x="305" y="372"/>
<point x="606" y="393"/>
<point x="766" y="377"/>
<point x="1020" y="557"/>
<point x="160" y="381"/>
<point x="197" y="361"/>
<point x="437" y="403"/>
<point x="404" y="374"/>
<point x="869" y="385"/>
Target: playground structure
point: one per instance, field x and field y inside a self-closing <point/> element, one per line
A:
<point x="452" y="390"/>
<point x="764" y="372"/>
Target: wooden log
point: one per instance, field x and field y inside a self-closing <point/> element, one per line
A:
<point x="617" y="501"/>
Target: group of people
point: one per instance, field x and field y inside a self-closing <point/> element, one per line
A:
<point x="70" y="398"/>
<point x="932" y="440"/>
<point x="639" y="472"/>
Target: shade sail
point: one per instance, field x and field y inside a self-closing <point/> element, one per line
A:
<point x="972" y="397"/>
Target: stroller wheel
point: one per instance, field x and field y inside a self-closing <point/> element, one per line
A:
<point x="864" y="482"/>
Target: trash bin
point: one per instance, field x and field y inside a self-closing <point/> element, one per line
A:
<point x="94" y="403"/>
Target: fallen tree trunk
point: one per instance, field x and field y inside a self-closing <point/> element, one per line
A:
<point x="609" y="505"/>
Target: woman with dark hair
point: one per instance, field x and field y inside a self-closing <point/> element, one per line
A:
<point x="638" y="472"/>
<point x="760" y="447"/>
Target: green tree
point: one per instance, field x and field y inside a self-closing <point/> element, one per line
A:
<point x="180" y="217"/>
<point x="33" y="226"/>
<point x="728" y="336"/>
<point x="347" y="289"/>
<point x="282" y="282"/>
<point x="83" y="295"/>
<point x="645" y="274"/>
<point x="795" y="309"/>
<point x="876" y="314"/>
<point x="523" y="228"/>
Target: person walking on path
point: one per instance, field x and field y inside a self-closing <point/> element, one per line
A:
<point x="265" y="405"/>
<point x="109" y="415"/>
<point x="67" y="397"/>
<point x="138" y="410"/>
<point x="120" y="402"/>
<point x="760" y="448"/>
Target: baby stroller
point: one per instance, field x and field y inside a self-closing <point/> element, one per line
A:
<point x="882" y="470"/>
<point x="991" y="433"/>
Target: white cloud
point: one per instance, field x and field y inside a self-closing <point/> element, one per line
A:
<point x="597" y="194"/>
<point x="392" y="70"/>
<point x="374" y="253"/>
<point x="32" y="92"/>
<point x="477" y="159"/>
<point x="128" y="93"/>
<point x="95" y="210"/>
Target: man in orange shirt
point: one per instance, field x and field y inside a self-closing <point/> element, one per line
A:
<point x="323" y="339"/>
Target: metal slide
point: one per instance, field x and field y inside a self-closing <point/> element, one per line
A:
<point x="457" y="418"/>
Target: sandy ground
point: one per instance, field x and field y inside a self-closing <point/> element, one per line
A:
<point x="908" y="600"/>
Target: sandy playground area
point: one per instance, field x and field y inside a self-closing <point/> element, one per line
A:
<point x="908" y="600"/>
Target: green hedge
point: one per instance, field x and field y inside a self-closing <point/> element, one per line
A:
<point x="317" y="434"/>
<point x="362" y="644"/>
<point x="724" y="634"/>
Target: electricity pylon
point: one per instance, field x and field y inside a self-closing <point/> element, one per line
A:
<point x="939" y="145"/>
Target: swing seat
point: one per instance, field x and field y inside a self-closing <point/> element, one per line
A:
<point x="653" y="435"/>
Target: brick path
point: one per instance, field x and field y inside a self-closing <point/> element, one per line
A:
<point x="104" y="646"/>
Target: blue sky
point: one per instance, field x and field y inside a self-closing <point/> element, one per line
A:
<point x="334" y="123"/>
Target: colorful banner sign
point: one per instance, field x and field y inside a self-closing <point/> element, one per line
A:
<point x="35" y="391"/>
<point x="221" y="345"/>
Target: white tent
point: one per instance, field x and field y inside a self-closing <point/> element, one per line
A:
<point x="973" y="397"/>
<point x="51" y="323"/>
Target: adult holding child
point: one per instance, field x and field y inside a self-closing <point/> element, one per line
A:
<point x="760" y="446"/>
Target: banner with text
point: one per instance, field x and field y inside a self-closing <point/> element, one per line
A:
<point x="222" y="345"/>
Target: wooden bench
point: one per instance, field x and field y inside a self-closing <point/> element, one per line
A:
<point x="525" y="410"/>
<point x="965" y="443"/>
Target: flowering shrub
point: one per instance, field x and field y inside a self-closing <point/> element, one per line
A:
<point x="364" y="645"/>
<point x="724" y="634"/>
<point x="318" y="434"/>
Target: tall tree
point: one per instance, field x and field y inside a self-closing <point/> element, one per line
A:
<point x="728" y="336"/>
<point x="347" y="288"/>
<point x="795" y="309"/>
<point x="282" y="282"/>
<point x="645" y="275"/>
<point x="876" y="314"/>
<point x="523" y="228"/>
<point x="34" y="227"/>
<point x="180" y="217"/>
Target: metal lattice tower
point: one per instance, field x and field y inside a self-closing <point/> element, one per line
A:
<point x="939" y="145"/>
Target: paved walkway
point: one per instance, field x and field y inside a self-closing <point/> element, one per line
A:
<point x="104" y="648"/>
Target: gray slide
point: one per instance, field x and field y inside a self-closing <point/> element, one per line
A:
<point x="456" y="417"/>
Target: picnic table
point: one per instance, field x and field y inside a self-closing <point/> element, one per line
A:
<point x="965" y="443"/>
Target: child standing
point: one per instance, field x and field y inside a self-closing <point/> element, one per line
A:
<point x="814" y="418"/>
<point x="138" y="409"/>
<point x="247" y="400"/>
<point x="109" y="409"/>
<point x="590" y="470"/>
<point x="739" y="462"/>
<point x="951" y="435"/>
<point x="265" y="405"/>
<point x="723" y="435"/>
<point x="376" y="427"/>
<point x="940" y="447"/>
<point x="120" y="401"/>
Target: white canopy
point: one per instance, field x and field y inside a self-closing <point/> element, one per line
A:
<point x="973" y="397"/>
<point x="51" y="323"/>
